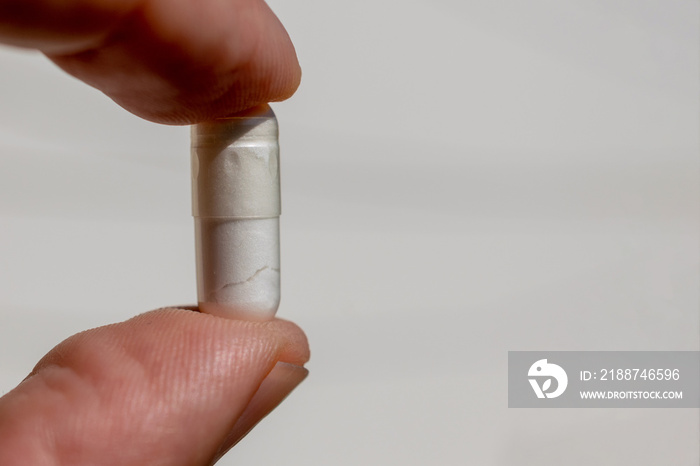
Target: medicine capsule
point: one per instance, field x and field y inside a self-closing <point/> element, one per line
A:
<point x="236" y="208"/>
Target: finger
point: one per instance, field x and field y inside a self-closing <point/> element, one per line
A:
<point x="61" y="27"/>
<point x="274" y="389"/>
<point x="169" y="61"/>
<point x="167" y="387"/>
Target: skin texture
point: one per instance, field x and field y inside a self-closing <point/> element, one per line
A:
<point x="173" y="386"/>
<point x="168" y="61"/>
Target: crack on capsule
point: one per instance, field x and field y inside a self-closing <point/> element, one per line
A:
<point x="249" y="279"/>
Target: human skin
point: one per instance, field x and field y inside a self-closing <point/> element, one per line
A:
<point x="172" y="386"/>
<point x="168" y="61"/>
<point x="168" y="387"/>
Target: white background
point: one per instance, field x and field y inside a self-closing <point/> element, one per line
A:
<point x="460" y="179"/>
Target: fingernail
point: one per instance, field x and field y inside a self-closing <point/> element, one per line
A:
<point x="279" y="383"/>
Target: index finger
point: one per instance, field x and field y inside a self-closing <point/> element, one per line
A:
<point x="169" y="61"/>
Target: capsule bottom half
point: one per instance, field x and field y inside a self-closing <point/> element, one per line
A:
<point x="238" y="267"/>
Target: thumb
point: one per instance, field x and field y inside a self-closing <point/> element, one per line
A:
<point x="169" y="387"/>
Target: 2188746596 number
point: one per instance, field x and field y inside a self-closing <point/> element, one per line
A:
<point x="640" y="374"/>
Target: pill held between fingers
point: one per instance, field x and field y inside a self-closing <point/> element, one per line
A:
<point x="236" y="207"/>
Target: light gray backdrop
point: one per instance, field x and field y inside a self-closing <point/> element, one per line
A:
<point x="460" y="179"/>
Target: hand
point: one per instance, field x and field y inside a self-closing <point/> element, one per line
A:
<point x="169" y="387"/>
<point x="173" y="386"/>
<point x="168" y="61"/>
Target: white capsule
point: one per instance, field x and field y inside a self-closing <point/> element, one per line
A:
<point x="236" y="205"/>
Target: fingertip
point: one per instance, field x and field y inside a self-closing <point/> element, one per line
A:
<point x="278" y="384"/>
<point x="291" y="341"/>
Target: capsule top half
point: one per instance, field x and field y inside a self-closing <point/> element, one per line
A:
<point x="235" y="166"/>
